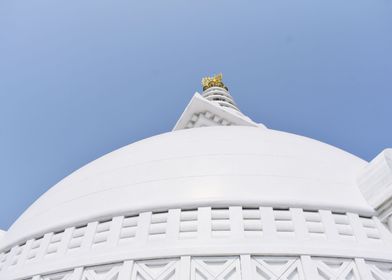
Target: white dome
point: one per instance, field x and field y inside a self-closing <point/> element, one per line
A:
<point x="232" y="165"/>
<point x="231" y="201"/>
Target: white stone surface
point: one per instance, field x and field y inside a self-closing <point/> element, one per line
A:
<point x="201" y="112"/>
<point x="235" y="267"/>
<point x="228" y="199"/>
<point x="203" y="166"/>
<point x="375" y="182"/>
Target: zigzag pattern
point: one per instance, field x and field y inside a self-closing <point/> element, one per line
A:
<point x="336" y="269"/>
<point x="232" y="268"/>
<point x="277" y="268"/>
<point x="107" y="272"/>
<point x="156" y="270"/>
<point x="215" y="268"/>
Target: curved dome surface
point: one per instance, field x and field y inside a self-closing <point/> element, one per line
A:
<point x="188" y="168"/>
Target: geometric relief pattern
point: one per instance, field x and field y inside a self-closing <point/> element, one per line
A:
<point x="215" y="268"/>
<point x="185" y="226"/>
<point x="230" y="268"/>
<point x="277" y="268"/>
<point x="206" y="118"/>
<point x="59" y="276"/>
<point x="336" y="269"/>
<point x="160" y="269"/>
<point x="104" y="272"/>
<point x="380" y="270"/>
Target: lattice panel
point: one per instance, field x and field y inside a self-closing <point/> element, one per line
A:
<point x="128" y="229"/>
<point x="215" y="268"/>
<point x="336" y="269"/>
<point x="277" y="268"/>
<point x="16" y="256"/>
<point x="284" y="222"/>
<point x="314" y="223"/>
<point x="230" y="268"/>
<point x="54" y="243"/>
<point x="105" y="272"/>
<point x="34" y="247"/>
<point x="371" y="229"/>
<point x="188" y="223"/>
<point x="253" y="226"/>
<point x="343" y="226"/>
<point x="380" y="270"/>
<point x="158" y="225"/>
<point x="161" y="269"/>
<point x="77" y="237"/>
<point x="220" y="222"/>
<point x="102" y="233"/>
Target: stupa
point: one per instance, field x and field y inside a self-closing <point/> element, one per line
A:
<point x="221" y="197"/>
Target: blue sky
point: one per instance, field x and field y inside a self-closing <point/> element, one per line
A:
<point x="79" y="79"/>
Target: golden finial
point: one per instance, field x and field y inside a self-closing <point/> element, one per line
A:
<point x="215" y="81"/>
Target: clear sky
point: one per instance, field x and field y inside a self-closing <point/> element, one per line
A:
<point x="80" y="78"/>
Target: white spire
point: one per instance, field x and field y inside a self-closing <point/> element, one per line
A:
<point x="214" y="107"/>
<point x="221" y="96"/>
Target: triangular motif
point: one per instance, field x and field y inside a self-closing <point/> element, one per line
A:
<point x="263" y="274"/>
<point x="276" y="265"/>
<point x="294" y="272"/>
<point x="350" y="272"/>
<point x="107" y="272"/>
<point x="215" y="268"/>
<point x="165" y="269"/>
<point x="380" y="271"/>
<point x="277" y="268"/>
<point x="336" y="269"/>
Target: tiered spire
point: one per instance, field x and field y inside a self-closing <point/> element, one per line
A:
<point x="215" y="90"/>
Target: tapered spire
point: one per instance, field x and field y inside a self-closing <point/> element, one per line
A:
<point x="216" y="91"/>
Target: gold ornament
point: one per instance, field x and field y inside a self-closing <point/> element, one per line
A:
<point x="215" y="81"/>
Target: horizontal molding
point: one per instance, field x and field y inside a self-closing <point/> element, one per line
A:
<point x="223" y="230"/>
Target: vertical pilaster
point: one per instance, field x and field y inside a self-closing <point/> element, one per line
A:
<point x="246" y="267"/>
<point x="358" y="229"/>
<point x="126" y="271"/>
<point x="89" y="236"/>
<point x="23" y="255"/>
<point x="268" y="220"/>
<point x="204" y="223"/>
<point x="173" y="224"/>
<point x="77" y="274"/>
<point x="114" y="232"/>
<point x="363" y="269"/>
<point x="44" y="245"/>
<point x="309" y="268"/>
<point x="143" y="228"/>
<point x="329" y="225"/>
<point x="236" y="222"/>
<point x="301" y="231"/>
<point x="185" y="268"/>
<point x="63" y="246"/>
